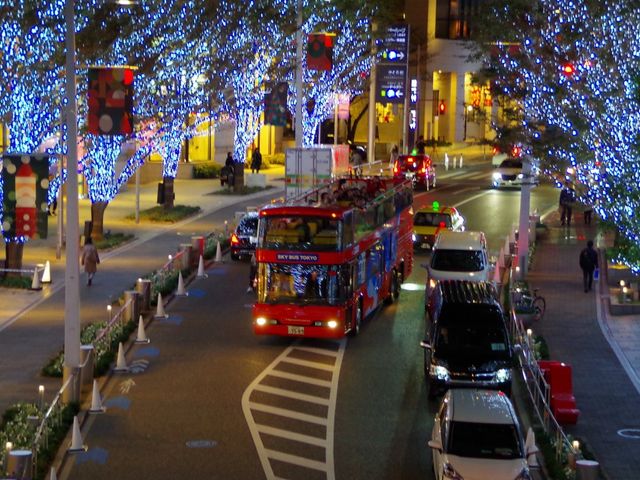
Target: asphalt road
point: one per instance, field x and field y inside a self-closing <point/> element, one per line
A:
<point x="210" y="400"/>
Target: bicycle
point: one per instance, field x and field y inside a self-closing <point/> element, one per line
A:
<point x="535" y="302"/>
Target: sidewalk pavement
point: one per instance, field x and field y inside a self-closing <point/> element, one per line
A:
<point x="603" y="350"/>
<point x="30" y="336"/>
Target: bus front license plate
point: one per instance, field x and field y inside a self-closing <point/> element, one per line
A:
<point x="295" y="330"/>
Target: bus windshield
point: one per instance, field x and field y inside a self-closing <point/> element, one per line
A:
<point x="300" y="284"/>
<point x="301" y="233"/>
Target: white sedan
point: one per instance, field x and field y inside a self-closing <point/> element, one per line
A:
<point x="477" y="436"/>
<point x="508" y="174"/>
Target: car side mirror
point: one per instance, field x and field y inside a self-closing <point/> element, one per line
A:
<point x="435" y="444"/>
<point x="517" y="348"/>
<point x="425" y="344"/>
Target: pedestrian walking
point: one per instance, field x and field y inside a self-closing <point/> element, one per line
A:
<point x="588" y="264"/>
<point x="229" y="170"/>
<point x="253" y="274"/>
<point x="567" y="199"/>
<point x="90" y="259"/>
<point x="256" y="161"/>
<point x="395" y="153"/>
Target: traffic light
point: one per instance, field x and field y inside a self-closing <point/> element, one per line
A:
<point x="442" y="108"/>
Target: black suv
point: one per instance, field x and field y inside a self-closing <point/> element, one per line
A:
<point x="467" y="342"/>
<point x="245" y="237"/>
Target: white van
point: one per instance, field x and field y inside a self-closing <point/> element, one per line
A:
<point x="458" y="256"/>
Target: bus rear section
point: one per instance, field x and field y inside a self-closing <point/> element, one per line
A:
<point x="323" y="268"/>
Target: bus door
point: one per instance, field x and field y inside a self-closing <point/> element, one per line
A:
<point x="348" y="281"/>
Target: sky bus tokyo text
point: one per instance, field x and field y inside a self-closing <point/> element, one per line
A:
<point x="331" y="257"/>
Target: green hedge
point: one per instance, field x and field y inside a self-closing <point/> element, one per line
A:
<point x="207" y="170"/>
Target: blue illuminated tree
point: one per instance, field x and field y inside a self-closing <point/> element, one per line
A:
<point x="577" y="77"/>
<point x="351" y="65"/>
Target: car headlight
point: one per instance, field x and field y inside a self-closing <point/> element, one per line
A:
<point x="520" y="176"/>
<point x="524" y="475"/>
<point x="432" y="283"/>
<point x="261" y="321"/>
<point x="497" y="176"/>
<point x="413" y="237"/>
<point x="439" y="372"/>
<point x="449" y="472"/>
<point x="503" y="375"/>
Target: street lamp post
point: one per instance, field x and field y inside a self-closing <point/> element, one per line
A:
<point x="72" y="268"/>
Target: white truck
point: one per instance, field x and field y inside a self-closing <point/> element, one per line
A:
<point x="307" y="168"/>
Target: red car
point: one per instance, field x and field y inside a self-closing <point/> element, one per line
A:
<point x="418" y="168"/>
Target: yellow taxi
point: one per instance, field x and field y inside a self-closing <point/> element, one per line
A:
<point x="429" y="220"/>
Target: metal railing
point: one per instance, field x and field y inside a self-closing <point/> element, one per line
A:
<point x="537" y="387"/>
<point x="103" y="339"/>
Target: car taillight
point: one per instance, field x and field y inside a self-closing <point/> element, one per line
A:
<point x="234" y="239"/>
<point x="396" y="167"/>
<point x="496" y="150"/>
<point x="423" y="169"/>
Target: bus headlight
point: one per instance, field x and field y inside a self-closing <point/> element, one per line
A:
<point x="332" y="324"/>
<point x="261" y="321"/>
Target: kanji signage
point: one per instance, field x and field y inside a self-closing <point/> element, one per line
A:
<point x="110" y="101"/>
<point x="25" y="183"/>
<point x="395" y="44"/>
<point x="391" y="83"/>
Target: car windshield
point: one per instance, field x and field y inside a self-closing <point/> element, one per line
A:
<point x="430" y="219"/>
<point x="457" y="260"/>
<point x="480" y="337"/>
<point x="248" y="226"/>
<point x="484" y="440"/>
<point x="511" y="163"/>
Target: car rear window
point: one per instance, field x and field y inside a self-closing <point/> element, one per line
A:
<point x="429" y="219"/>
<point x="248" y="226"/>
<point x="457" y="260"/>
<point x="411" y="164"/>
<point x="484" y="440"/>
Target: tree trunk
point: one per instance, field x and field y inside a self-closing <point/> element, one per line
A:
<point x="352" y="126"/>
<point x="13" y="253"/>
<point x="238" y="176"/>
<point x="169" y="194"/>
<point x="97" y="220"/>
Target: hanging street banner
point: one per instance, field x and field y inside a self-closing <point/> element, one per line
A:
<point x="25" y="183"/>
<point x="391" y="83"/>
<point x="275" y="105"/>
<point x="320" y="51"/>
<point x="110" y="100"/>
<point x="394" y="46"/>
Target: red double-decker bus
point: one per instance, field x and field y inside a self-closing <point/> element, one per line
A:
<point x="330" y="258"/>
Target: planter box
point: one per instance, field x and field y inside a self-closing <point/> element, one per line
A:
<point x="617" y="272"/>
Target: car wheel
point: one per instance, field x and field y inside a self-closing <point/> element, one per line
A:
<point x="396" y="286"/>
<point x="235" y="256"/>
<point x="433" y="391"/>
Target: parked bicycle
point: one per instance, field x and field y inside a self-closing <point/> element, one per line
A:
<point x="534" y="302"/>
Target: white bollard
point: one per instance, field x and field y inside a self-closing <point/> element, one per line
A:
<point x="460" y="161"/>
<point x="446" y="161"/>
<point x="455" y="161"/>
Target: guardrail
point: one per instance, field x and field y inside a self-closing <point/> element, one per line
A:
<point x="537" y="387"/>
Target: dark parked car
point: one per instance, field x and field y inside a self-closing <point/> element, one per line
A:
<point x="467" y="342"/>
<point x="418" y="168"/>
<point x="245" y="237"/>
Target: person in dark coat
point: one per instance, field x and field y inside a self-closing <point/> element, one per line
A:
<point x="256" y="161"/>
<point x="89" y="259"/>
<point x="588" y="264"/>
<point x="567" y="199"/>
<point x="227" y="171"/>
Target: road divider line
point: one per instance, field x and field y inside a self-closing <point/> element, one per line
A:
<point x="283" y="412"/>
<point x="319" y="351"/>
<point x="298" y="437"/>
<point x="308" y="363"/>
<point x="299" y="378"/>
<point x="290" y="394"/>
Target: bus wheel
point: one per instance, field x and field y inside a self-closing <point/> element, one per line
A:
<point x="394" y="289"/>
<point x="355" y="330"/>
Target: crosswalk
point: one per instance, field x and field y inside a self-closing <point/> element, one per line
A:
<point x="290" y="411"/>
